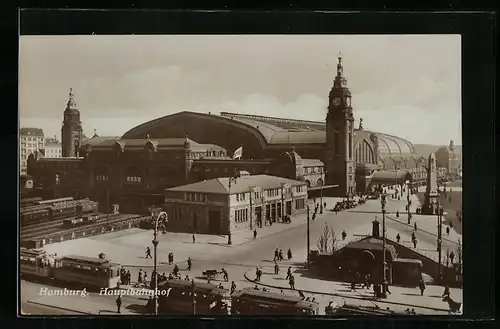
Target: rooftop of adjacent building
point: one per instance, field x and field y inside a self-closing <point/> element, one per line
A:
<point x="240" y="185"/>
<point x="28" y="131"/>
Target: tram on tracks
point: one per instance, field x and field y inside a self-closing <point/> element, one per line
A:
<point x="88" y="271"/>
<point x="250" y="301"/>
<point x="36" y="262"/>
<point x="176" y="297"/>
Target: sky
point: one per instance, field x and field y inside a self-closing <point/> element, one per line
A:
<point x="404" y="85"/>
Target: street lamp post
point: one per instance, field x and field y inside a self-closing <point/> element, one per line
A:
<point x="439" y="237"/>
<point x="308" y="236"/>
<point x="231" y="180"/>
<point x="408" y="202"/>
<point x="162" y="215"/>
<point x="384" y="264"/>
<point x="194" y="296"/>
<point x="321" y="198"/>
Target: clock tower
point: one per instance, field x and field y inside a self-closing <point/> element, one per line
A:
<point x="340" y="167"/>
<point x="71" y="131"/>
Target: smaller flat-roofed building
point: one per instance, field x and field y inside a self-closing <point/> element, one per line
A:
<point x="224" y="205"/>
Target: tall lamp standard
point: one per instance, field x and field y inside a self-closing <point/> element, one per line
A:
<point x="408" y="202"/>
<point x="231" y="180"/>
<point x="440" y="213"/>
<point x="321" y="198"/>
<point x="384" y="264"/>
<point x="308" y="237"/>
<point x="162" y="219"/>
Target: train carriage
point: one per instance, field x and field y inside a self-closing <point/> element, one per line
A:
<point x="35" y="216"/>
<point x="91" y="218"/>
<point x="73" y="221"/>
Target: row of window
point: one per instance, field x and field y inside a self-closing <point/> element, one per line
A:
<point x="24" y="138"/>
<point x="241" y="215"/>
<point x="300" y="204"/>
<point x="313" y="170"/>
<point x="198" y="197"/>
<point x="102" y="177"/>
<point x="273" y="192"/>
<point x="300" y="188"/>
<point x="240" y="197"/>
<point x="58" y="165"/>
<point x="134" y="179"/>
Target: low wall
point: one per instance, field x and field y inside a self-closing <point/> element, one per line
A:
<point x="83" y="233"/>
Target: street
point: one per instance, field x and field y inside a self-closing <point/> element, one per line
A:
<point x="239" y="259"/>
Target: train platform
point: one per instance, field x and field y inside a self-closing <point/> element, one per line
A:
<point x="400" y="299"/>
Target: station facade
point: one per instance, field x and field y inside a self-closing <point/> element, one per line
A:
<point x="187" y="147"/>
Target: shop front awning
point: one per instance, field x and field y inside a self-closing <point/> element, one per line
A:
<point x="391" y="177"/>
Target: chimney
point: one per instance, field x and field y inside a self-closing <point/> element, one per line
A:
<point x="376" y="228"/>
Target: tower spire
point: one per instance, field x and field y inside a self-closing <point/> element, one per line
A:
<point x="71" y="100"/>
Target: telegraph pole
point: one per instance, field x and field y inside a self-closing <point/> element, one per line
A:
<point x="321" y="199"/>
<point x="308" y="236"/>
<point x="164" y="216"/>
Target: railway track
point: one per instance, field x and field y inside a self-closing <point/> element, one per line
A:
<point x="45" y="226"/>
<point x="46" y="233"/>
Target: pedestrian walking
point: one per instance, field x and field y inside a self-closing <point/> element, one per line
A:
<point x="324" y="205"/>
<point x="292" y="282"/>
<point x="145" y="277"/>
<point x="415" y="243"/>
<point x="344" y="235"/>
<point x="413" y="237"/>
<point x="276" y="268"/>
<point x="280" y="255"/>
<point x="148" y="252"/>
<point x="313" y="216"/>
<point x="288" y="273"/>
<point x="225" y="275"/>
<point x="118" y="303"/>
<point x="398" y="238"/>
<point x="129" y="277"/>
<point x="446" y="291"/>
<point x="422" y="287"/>
<point x="190" y="262"/>
<point x="233" y="287"/>
<point x="254" y="234"/>
<point x="452" y="257"/>
<point x="176" y="270"/>
<point x="397" y="214"/>
<point x="257" y="277"/>
<point x="366" y="284"/>
<point x="194" y="238"/>
<point x="447" y="230"/>
<point x="289" y="254"/>
<point x="276" y="255"/>
<point x="139" y="276"/>
<point x="415" y="226"/>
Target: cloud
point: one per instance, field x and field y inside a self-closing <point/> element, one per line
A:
<point x="127" y="79"/>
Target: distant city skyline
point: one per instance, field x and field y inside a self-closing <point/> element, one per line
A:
<point x="404" y="85"/>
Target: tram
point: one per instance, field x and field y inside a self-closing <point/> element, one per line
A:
<point x="87" y="271"/>
<point x="35" y="262"/>
<point x="90" y="271"/>
<point x="176" y="297"/>
<point x="253" y="302"/>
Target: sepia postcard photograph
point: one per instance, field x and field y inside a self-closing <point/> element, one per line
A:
<point x="228" y="175"/>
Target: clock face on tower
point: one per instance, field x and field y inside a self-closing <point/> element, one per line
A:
<point x="336" y="101"/>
